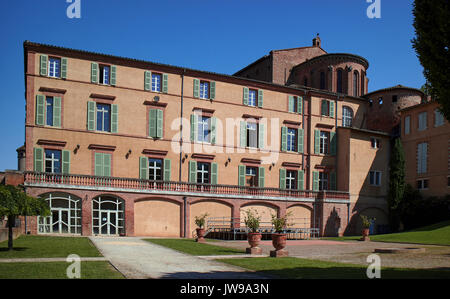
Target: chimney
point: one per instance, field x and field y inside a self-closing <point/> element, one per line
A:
<point x="316" y="41"/>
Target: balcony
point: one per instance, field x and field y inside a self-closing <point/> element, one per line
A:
<point x="114" y="184"/>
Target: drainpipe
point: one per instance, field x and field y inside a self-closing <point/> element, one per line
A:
<point x="181" y="125"/>
<point x="303" y="127"/>
<point x="185" y="219"/>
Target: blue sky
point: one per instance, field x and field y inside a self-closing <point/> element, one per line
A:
<point x="213" y="35"/>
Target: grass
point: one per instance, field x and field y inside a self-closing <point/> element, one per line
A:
<point x="48" y="246"/>
<point x="436" y="234"/>
<point x="297" y="268"/>
<point x="189" y="246"/>
<point x="57" y="270"/>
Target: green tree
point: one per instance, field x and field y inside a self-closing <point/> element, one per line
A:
<point x="15" y="202"/>
<point x="396" y="182"/>
<point x="432" y="27"/>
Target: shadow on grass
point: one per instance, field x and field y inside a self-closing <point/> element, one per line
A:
<point x="3" y="249"/>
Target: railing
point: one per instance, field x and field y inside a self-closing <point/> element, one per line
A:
<point x="39" y="178"/>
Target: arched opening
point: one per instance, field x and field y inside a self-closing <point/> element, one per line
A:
<point x="108" y="215"/>
<point x="339" y="81"/>
<point x="65" y="215"/>
<point x="158" y="217"/>
<point x="355" y="83"/>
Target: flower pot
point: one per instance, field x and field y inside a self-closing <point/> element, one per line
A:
<point x="254" y="239"/>
<point x="279" y="243"/>
<point x="200" y="235"/>
<point x="365" y="234"/>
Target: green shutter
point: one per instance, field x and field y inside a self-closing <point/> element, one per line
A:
<point x="192" y="171"/>
<point x="147" y="80"/>
<point x="291" y="104"/>
<point x="213" y="130"/>
<point x="241" y="180"/>
<point x="300" y="144"/>
<point x="38" y="159"/>
<point x="261" y="177"/>
<point x="300" y="180"/>
<point x="159" y="123"/>
<point x="114" y="118"/>
<point x="63" y="68"/>
<point x="284" y="139"/>
<point x="152" y="122"/>
<point x="57" y="112"/>
<point x="165" y="83"/>
<point x="91" y="115"/>
<point x="325" y="110"/>
<point x="196" y="88"/>
<point x="243" y="132"/>
<point x="43" y="65"/>
<point x="316" y="142"/>
<point x="262" y="133"/>
<point x="194" y="119"/>
<point x="94" y="72"/>
<point x="167" y="169"/>
<point x="212" y="90"/>
<point x="260" y="98"/>
<point x="331" y="114"/>
<point x="113" y="75"/>
<point x="300" y="105"/>
<point x="143" y="168"/>
<point x="333" y="181"/>
<point x="40" y="110"/>
<point x="106" y="164"/>
<point x="99" y="164"/>
<point x="282" y="178"/>
<point x="65" y="165"/>
<point x="245" y="96"/>
<point x="214" y="173"/>
<point x="315" y="181"/>
<point x="333" y="143"/>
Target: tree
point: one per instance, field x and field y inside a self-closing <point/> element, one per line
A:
<point x="396" y="182"/>
<point x="14" y="202"/>
<point x="432" y="26"/>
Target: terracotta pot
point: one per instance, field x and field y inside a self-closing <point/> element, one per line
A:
<point x="200" y="233"/>
<point x="279" y="241"/>
<point x="365" y="232"/>
<point x="254" y="239"/>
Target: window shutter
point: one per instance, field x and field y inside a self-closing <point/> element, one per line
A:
<point x="63" y="68"/>
<point x="315" y="181"/>
<point x="333" y="181"/>
<point x="331" y="114"/>
<point x="282" y="178"/>
<point x="300" y="105"/>
<point x="99" y="164"/>
<point x="333" y="143"/>
<point x="106" y="165"/>
<point x="214" y="173"/>
<point x="38" y="159"/>
<point x="94" y="72"/>
<point x="193" y="171"/>
<point x="159" y="123"/>
<point x="243" y="134"/>
<point x="40" y="110"/>
<point x="245" y="96"/>
<point x="152" y="122"/>
<point x="114" y="118"/>
<point x="283" y="139"/>
<point x="65" y="165"/>
<point x="165" y="83"/>
<point x="91" y="115"/>
<point x="57" y="112"/>
<point x="212" y="90"/>
<point x="261" y="177"/>
<point x="43" y="65"/>
<point x="167" y="169"/>
<point x="143" y="168"/>
<point x="260" y="98"/>
<point x="316" y="142"/>
<point x="241" y="175"/>
<point x="194" y="127"/>
<point x="300" y="145"/>
<point x="325" y="110"/>
<point x="113" y="75"/>
<point x="213" y="130"/>
<point x="261" y="132"/>
<point x="291" y="104"/>
<point x="300" y="180"/>
<point x="147" y="80"/>
<point x="196" y="88"/>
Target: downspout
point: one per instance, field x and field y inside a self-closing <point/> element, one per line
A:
<point x="181" y="154"/>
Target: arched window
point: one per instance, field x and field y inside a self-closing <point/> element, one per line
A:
<point x="322" y="80"/>
<point x="347" y="116"/>
<point x="339" y="80"/>
<point x="108" y="215"/>
<point x="355" y="83"/>
<point x="65" y="215"/>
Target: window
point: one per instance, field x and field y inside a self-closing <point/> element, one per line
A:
<point x="54" y="67"/>
<point x="380" y="101"/>
<point x="322" y="80"/>
<point x="204" y="90"/>
<point x="104" y="77"/>
<point x="291" y="179"/>
<point x="291" y="140"/>
<point x="422" y="184"/>
<point x="407" y="124"/>
<point x="49" y="111"/>
<point x="155" y="169"/>
<point x="204" y="129"/>
<point x="394" y="99"/>
<point x="252" y="134"/>
<point x="422" y="152"/>
<point x="347" y="116"/>
<point x="53" y="161"/>
<point x="422" y="121"/>
<point x="156" y="123"/>
<point x="324" y="139"/>
<point x="156" y="82"/>
<point x="323" y="181"/>
<point x="355" y="84"/>
<point x="203" y="171"/>
<point x="295" y="104"/>
<point x="103" y="117"/>
<point x="438" y="118"/>
<point x="251" y="176"/>
<point x="102" y="164"/>
<point x="327" y="108"/>
<point x="252" y="97"/>
<point x="375" y="178"/>
<point x="339" y="81"/>
<point x="375" y="142"/>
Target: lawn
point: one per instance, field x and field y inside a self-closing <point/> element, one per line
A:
<point x="189" y="246"/>
<point x="436" y="234"/>
<point x="297" y="268"/>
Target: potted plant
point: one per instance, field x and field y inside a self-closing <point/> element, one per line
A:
<point x="279" y="237"/>
<point x="200" y="222"/>
<point x="366" y="228"/>
<point x="252" y="221"/>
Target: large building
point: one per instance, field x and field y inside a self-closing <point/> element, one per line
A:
<point x="124" y="146"/>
